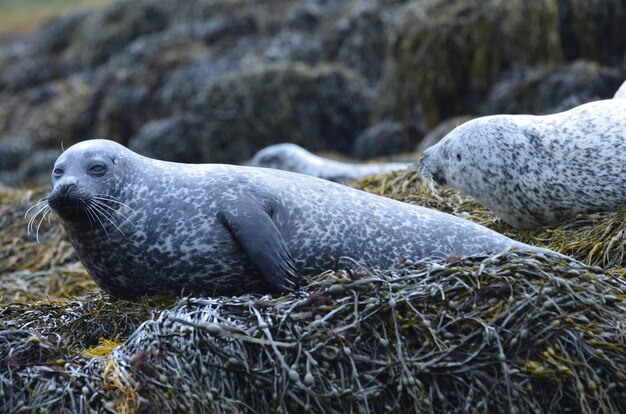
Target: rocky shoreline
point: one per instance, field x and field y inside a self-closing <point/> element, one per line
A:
<point x="215" y="81"/>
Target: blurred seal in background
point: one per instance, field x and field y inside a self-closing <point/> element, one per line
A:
<point x="294" y="158"/>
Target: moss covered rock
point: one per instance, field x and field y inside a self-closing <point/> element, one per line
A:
<point x="48" y="114"/>
<point x="448" y="53"/>
<point x="550" y="89"/>
<point x="593" y="30"/>
<point x="322" y="107"/>
<point x="386" y="138"/>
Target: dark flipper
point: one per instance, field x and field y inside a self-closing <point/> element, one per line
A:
<point x="253" y="227"/>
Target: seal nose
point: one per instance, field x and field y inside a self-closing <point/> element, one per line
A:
<point x="439" y="178"/>
<point x="66" y="188"/>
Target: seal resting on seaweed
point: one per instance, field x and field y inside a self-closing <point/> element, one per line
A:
<point x="292" y="157"/>
<point x="537" y="170"/>
<point x="141" y="225"/>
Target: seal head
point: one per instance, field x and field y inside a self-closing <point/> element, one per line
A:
<point x="84" y="181"/>
<point x="537" y="170"/>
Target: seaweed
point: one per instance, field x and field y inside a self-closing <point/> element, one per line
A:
<point x="513" y="332"/>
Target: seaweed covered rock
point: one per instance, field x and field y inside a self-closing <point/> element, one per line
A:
<point x="385" y="138"/>
<point x="591" y="32"/>
<point x="48" y="114"/>
<point x="322" y="107"/>
<point x="170" y="139"/>
<point x="359" y="40"/>
<point x="422" y="337"/>
<point x="551" y="89"/>
<point x="447" y="54"/>
<point x="106" y="31"/>
<point x="37" y="260"/>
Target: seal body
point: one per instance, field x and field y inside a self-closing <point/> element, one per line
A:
<point x="141" y="225"/>
<point x="538" y="170"/>
<point x="292" y="157"/>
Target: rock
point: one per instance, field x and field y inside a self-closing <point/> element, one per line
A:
<point x="49" y="114"/>
<point x="229" y="118"/>
<point x="551" y="89"/>
<point x="106" y="31"/>
<point x="436" y="134"/>
<point x="57" y="34"/>
<point x="21" y="161"/>
<point x="384" y="139"/>
<point x="171" y="139"/>
<point x="13" y="151"/>
<point x="448" y="53"/>
<point x="26" y="72"/>
<point x="153" y="77"/>
<point x="591" y="32"/>
<point x="359" y="40"/>
<point x="38" y="166"/>
<point x="621" y="92"/>
<point x="295" y="46"/>
<point x="322" y="107"/>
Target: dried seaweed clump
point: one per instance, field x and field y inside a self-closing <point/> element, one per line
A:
<point x="32" y="269"/>
<point x="516" y="332"/>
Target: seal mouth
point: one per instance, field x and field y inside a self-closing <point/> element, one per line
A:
<point x="439" y="178"/>
<point x="69" y="206"/>
<point x="69" y="202"/>
<point x="428" y="174"/>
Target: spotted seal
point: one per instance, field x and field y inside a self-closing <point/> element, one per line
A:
<point x="144" y="226"/>
<point x="292" y="157"/>
<point x="538" y="170"/>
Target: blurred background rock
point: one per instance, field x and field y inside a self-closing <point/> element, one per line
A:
<point x="217" y="80"/>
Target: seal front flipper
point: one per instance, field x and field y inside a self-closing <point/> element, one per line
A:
<point x="253" y="227"/>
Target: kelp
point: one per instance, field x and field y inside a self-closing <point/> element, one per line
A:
<point x="516" y="332"/>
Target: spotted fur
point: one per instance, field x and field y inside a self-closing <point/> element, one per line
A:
<point x="538" y="170"/>
<point x="219" y="229"/>
<point x="292" y="157"/>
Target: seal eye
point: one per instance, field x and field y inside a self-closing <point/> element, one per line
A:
<point x="57" y="172"/>
<point x="458" y="157"/>
<point x="97" y="170"/>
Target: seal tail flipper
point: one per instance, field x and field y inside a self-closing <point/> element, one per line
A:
<point x="253" y="227"/>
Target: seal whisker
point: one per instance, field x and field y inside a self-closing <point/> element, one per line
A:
<point x="40" y="206"/>
<point x="30" y="228"/>
<point x="88" y="207"/>
<point x="103" y="198"/>
<point x="98" y="209"/>
<point x="89" y="214"/>
<point x="101" y="204"/>
<point x="39" y="203"/>
<point x="429" y="181"/>
<point x="47" y="211"/>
